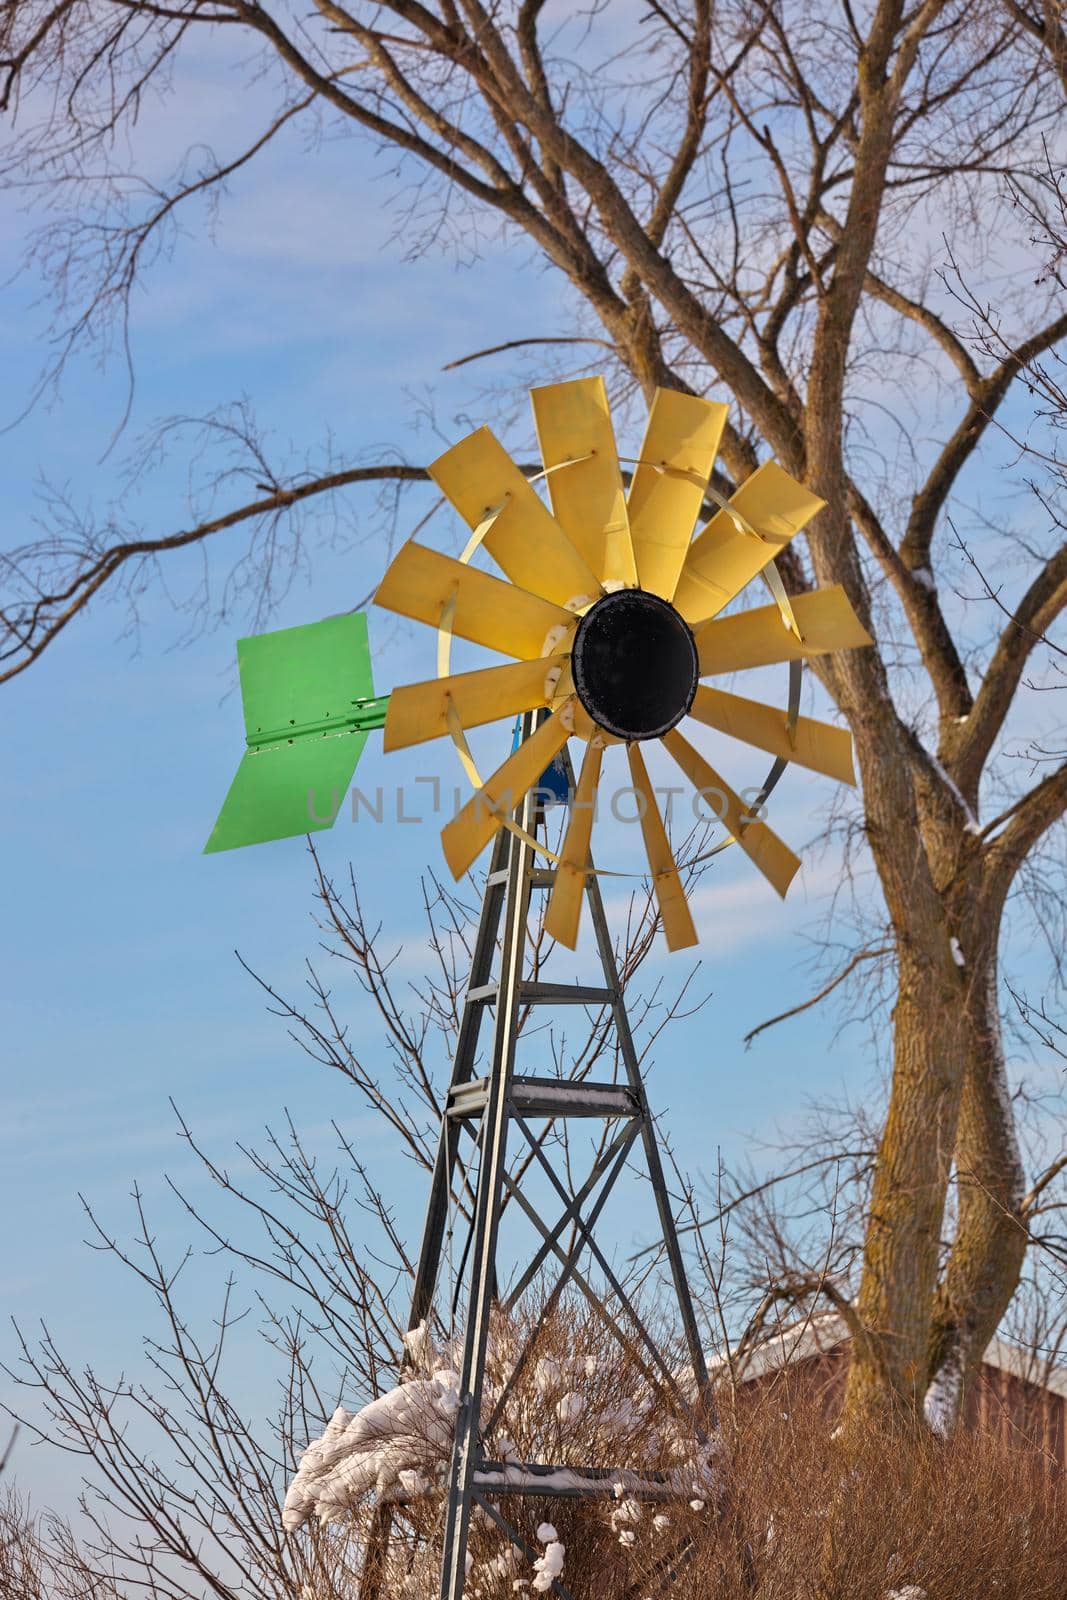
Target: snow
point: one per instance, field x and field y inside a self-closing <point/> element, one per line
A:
<point x="1001" y="1089"/>
<point x="546" y="1375"/>
<point x="565" y="1480"/>
<point x="389" y="1441"/>
<point x="549" y="1566"/>
<point x="420" y="1348"/>
<point x="500" y="1566"/>
<point x="627" y="1510"/>
<point x="594" y="1096"/>
<point x="911" y="1591"/>
<point x="546" y="1534"/>
<point x="971" y="824"/>
<point x="570" y="1408"/>
<point x="941" y="1401"/>
<point x="957" y="954"/>
<point x="924" y="577"/>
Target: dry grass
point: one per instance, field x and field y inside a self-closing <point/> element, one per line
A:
<point x="890" y="1512"/>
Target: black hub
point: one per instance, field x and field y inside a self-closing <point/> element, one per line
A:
<point x="635" y="665"/>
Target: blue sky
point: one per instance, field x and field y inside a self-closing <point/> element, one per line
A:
<point x="120" y="986"/>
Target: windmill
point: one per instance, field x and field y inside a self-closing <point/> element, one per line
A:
<point x="611" y="614"/>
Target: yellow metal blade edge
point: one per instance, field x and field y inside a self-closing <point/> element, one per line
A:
<point x="564" y="910"/>
<point x="816" y="745"/>
<point x="478" y="477"/>
<point x="758" y="638"/>
<point x="771" y="855"/>
<point x="674" y="910"/>
<point x="419" y="711"/>
<point x="464" y="838"/>
<point x="724" y="558"/>
<point x="573" y="423"/>
<point x="683" y="433"/>
<point x="488" y="611"/>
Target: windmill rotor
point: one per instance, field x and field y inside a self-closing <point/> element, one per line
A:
<point x="611" y="611"/>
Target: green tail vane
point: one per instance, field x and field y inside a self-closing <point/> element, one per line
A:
<point x="309" y="703"/>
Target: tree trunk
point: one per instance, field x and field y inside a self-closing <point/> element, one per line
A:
<point x="890" y="1363"/>
<point x="987" y="1255"/>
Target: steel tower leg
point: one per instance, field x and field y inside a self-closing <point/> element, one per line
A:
<point x="470" y="1026"/>
<point x="487" y="1206"/>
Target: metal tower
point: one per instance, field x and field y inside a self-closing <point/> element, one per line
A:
<point x="491" y="1111"/>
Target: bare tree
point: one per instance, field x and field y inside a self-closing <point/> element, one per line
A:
<point x="750" y="198"/>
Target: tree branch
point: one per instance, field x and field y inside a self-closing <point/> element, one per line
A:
<point x="1034" y="815"/>
<point x="958" y="449"/>
<point x="1029" y="1206"/>
<point x="806" y="1005"/>
<point x="522" y="344"/>
<point x="1043" y="602"/>
<point x="31" y="629"/>
<point x="1048" y="30"/>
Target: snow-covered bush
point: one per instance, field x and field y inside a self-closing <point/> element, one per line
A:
<point x="580" y="1401"/>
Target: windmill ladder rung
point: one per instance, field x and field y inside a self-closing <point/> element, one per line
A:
<point x="565" y="994"/>
<point x="540" y="877"/>
<point x="571" y="1483"/>
<point x="548" y="1097"/>
<point x="547" y="994"/>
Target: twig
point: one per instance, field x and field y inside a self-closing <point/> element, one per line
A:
<point x="518" y="344"/>
<point x="870" y="954"/>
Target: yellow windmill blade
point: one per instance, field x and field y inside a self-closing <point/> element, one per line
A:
<point x="816" y="745"/>
<point x="759" y="638"/>
<point x="525" y="540"/>
<point x="683" y="434"/>
<point x="762" y="846"/>
<point x="564" y="909"/>
<point x="724" y="558"/>
<point x="574" y="425"/>
<point x="678" y="926"/>
<point x="470" y="830"/>
<point x="419" y="711"/>
<point x="490" y="612"/>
